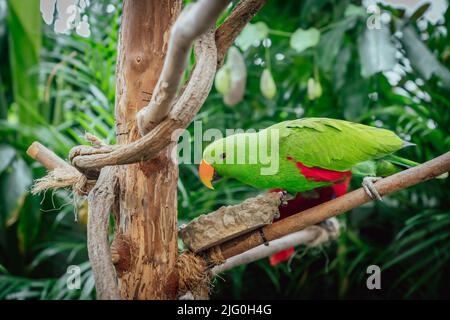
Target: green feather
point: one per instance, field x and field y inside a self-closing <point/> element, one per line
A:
<point x="336" y="144"/>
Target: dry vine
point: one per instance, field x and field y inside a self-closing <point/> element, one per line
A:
<point x="100" y="202"/>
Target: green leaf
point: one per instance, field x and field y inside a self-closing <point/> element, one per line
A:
<point x="267" y="85"/>
<point x="311" y="9"/>
<point x="251" y="34"/>
<point x="14" y="183"/>
<point x="353" y="10"/>
<point x="25" y="37"/>
<point x="261" y="30"/>
<point x="54" y="249"/>
<point x="422" y="59"/>
<point x="354" y="95"/>
<point x="303" y="39"/>
<point x="3" y="269"/>
<point x="341" y="66"/>
<point x="376" y="51"/>
<point x="29" y="220"/>
<point x="420" y="12"/>
<point x="7" y="153"/>
<point x="330" y="43"/>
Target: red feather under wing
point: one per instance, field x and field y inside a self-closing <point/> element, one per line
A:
<point x="319" y="174"/>
<point x="302" y="201"/>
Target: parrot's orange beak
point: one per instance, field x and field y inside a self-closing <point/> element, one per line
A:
<point x="206" y="173"/>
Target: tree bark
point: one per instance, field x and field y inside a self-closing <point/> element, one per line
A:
<point x="147" y="208"/>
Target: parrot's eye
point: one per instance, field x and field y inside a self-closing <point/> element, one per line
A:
<point x="223" y="155"/>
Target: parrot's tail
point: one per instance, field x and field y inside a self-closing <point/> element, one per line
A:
<point x="403" y="162"/>
<point x="408" y="144"/>
<point x="393" y="164"/>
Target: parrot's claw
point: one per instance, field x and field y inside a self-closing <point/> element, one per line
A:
<point x="285" y="198"/>
<point x="370" y="189"/>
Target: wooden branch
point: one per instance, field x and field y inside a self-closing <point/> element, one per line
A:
<point x="100" y="202"/>
<point x="300" y="221"/>
<point x="228" y="222"/>
<point x="47" y="157"/>
<point x="244" y="11"/>
<point x="61" y="174"/>
<point x="180" y="117"/>
<point x="193" y="21"/>
<point x="311" y="236"/>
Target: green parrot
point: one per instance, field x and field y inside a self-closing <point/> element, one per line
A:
<point x="304" y="154"/>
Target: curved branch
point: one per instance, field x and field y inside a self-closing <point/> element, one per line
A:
<point x="100" y="202"/>
<point x="309" y="217"/>
<point x="193" y="21"/>
<point x="182" y="114"/>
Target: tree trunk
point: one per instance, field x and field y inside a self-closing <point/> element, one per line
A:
<point x="146" y="233"/>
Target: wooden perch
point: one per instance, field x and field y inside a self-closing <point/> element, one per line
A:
<point x="46" y="157"/>
<point x="311" y="236"/>
<point x="61" y="174"/>
<point x="229" y="222"/>
<point x="301" y="220"/>
<point x="193" y="21"/>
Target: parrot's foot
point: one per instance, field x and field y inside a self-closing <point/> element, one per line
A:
<point x="369" y="187"/>
<point x="285" y="197"/>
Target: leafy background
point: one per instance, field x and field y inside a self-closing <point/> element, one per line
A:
<point x="302" y="58"/>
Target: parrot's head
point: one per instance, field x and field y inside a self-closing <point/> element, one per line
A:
<point x="238" y="156"/>
<point x="218" y="160"/>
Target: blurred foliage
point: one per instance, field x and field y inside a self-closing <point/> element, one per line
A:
<point x="303" y="58"/>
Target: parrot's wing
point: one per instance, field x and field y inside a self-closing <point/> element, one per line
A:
<point x="334" y="144"/>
